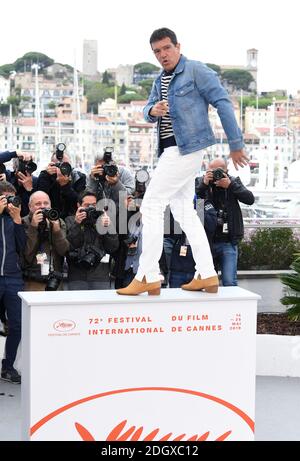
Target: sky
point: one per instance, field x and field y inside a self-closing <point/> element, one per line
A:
<point x="214" y="31"/>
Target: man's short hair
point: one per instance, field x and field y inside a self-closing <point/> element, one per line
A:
<point x="84" y="194"/>
<point x="6" y="186"/>
<point x="160" y="34"/>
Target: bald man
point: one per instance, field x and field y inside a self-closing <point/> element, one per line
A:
<point x="42" y="236"/>
<point x="225" y="192"/>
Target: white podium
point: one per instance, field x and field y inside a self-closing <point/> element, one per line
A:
<point x="98" y="366"/>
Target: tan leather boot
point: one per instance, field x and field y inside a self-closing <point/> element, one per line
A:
<point x="136" y="287"/>
<point x="210" y="285"/>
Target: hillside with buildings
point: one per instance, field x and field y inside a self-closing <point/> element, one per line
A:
<point x="89" y="110"/>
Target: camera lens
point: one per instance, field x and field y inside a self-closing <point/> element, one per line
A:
<point x="14" y="200"/>
<point x="51" y="214"/>
<point x="218" y="174"/>
<point x="110" y="170"/>
<point x="53" y="281"/>
<point x="65" y="168"/>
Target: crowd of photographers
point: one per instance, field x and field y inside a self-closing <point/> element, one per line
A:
<point x="63" y="230"/>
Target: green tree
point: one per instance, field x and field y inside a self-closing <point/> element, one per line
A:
<point x="97" y="92"/>
<point x="6" y="69"/>
<point x="51" y="105"/>
<point x="214" y="67"/>
<point x="145" y="68"/>
<point x="107" y="78"/>
<point x="30" y="58"/>
<point x="128" y="97"/>
<point x="123" y="89"/>
<point x="263" y="103"/>
<point x="240" y="78"/>
<point x="146" y="86"/>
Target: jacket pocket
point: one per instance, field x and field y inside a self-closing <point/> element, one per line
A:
<point x="185" y="89"/>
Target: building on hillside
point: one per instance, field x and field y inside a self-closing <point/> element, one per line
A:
<point x="124" y="75"/>
<point x="90" y="57"/>
<point x="4" y="89"/>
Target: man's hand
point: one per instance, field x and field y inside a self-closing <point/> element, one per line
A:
<point x="24" y="155"/>
<point x="51" y="169"/>
<point x="25" y="180"/>
<point x="208" y="177"/>
<point x="159" y="109"/>
<point x="56" y="225"/>
<point x="15" y="213"/>
<point x="37" y="218"/>
<point x="105" y="220"/>
<point x="3" y="203"/>
<point x="224" y="183"/>
<point x="3" y="177"/>
<point x="61" y="179"/>
<point x="112" y="180"/>
<point x="96" y="170"/>
<point x="239" y="158"/>
<point x="80" y="215"/>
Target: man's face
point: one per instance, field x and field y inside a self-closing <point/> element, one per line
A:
<point x="38" y="202"/>
<point x="89" y="200"/>
<point x="166" y="53"/>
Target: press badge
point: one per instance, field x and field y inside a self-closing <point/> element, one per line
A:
<point x="42" y="259"/>
<point x="225" y="228"/>
<point x="183" y="250"/>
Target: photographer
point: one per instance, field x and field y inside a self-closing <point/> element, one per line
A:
<point x="89" y="242"/>
<point x="12" y="244"/>
<point x="46" y="245"/>
<point x="107" y="179"/>
<point x="224" y="192"/>
<point x="21" y="177"/>
<point x="62" y="182"/>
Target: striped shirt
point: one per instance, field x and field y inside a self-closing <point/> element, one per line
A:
<point x="166" y="129"/>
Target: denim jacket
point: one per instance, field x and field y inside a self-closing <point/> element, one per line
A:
<point x="192" y="88"/>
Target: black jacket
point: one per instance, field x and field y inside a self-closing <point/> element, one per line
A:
<point x="79" y="236"/>
<point x="63" y="198"/>
<point x="12" y="244"/>
<point x="231" y="197"/>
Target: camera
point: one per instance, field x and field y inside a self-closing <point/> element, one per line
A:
<point x="109" y="167"/>
<point x="91" y="214"/>
<point x="218" y="174"/>
<point x="131" y="242"/>
<point x="26" y="166"/>
<point x="87" y="257"/>
<point x="50" y="213"/>
<point x="53" y="281"/>
<point x="110" y="170"/>
<point x="14" y="200"/>
<point x="64" y="167"/>
<point x="59" y="152"/>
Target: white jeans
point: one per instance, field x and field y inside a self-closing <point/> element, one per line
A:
<point x="173" y="183"/>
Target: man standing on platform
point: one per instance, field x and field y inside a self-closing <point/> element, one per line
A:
<point x="179" y="102"/>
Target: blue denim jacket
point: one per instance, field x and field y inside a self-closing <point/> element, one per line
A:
<point x="192" y="88"/>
